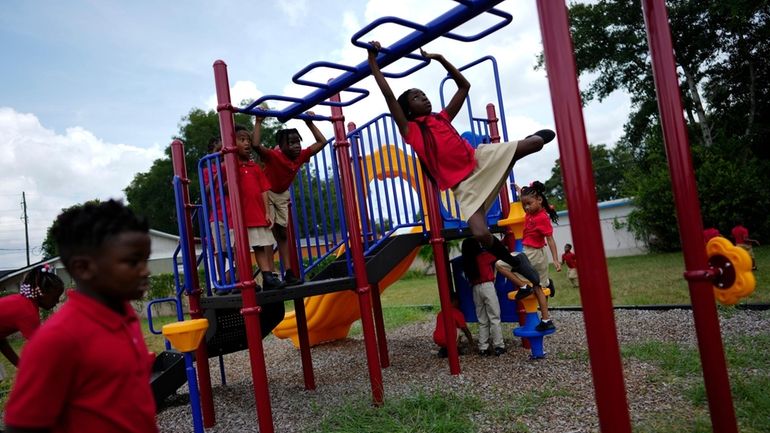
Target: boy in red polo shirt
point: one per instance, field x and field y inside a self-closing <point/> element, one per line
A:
<point x="281" y="167"/>
<point x="570" y="259"/>
<point x="87" y="369"/>
<point x="253" y="189"/>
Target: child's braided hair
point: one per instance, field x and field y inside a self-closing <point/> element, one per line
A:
<point x="537" y="189"/>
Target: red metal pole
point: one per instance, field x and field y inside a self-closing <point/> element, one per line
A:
<point x="299" y="310"/>
<point x="342" y="146"/>
<point x="201" y="355"/>
<point x="688" y="215"/>
<point x="379" y="326"/>
<point x="438" y="243"/>
<point x="250" y="309"/>
<point x="579" y="186"/>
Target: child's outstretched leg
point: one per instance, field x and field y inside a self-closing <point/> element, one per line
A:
<point x="545" y="318"/>
<point x="519" y="263"/>
<point x="533" y="143"/>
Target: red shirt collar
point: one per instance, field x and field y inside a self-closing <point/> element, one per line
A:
<point x="100" y="313"/>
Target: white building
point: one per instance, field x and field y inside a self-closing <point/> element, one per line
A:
<point x="613" y="219"/>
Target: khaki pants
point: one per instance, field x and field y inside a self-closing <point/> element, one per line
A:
<point x="488" y="313"/>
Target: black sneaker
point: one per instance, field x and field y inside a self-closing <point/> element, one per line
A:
<point x="270" y="282"/>
<point x="484" y="352"/>
<point x="290" y="279"/>
<point x="552" y="286"/>
<point x="546" y="134"/>
<point x="524" y="292"/>
<point x="442" y="352"/>
<point x="499" y="351"/>
<point x="545" y="326"/>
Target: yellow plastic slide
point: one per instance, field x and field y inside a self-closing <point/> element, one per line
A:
<point x="330" y="316"/>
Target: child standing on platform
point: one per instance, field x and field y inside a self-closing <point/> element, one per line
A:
<point x="474" y="175"/>
<point x="439" y="335"/>
<point x="570" y="259"/>
<point x="253" y="189"/>
<point x="87" y="369"/>
<point x="40" y="288"/>
<point x="281" y="167"/>
<point x="479" y="268"/>
<point x="538" y="232"/>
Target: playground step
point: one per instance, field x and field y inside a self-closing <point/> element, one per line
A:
<point x="227" y="330"/>
<point x="168" y="374"/>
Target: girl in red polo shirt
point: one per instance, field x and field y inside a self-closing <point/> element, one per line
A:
<point x="40" y="288"/>
<point x="538" y="232"/>
<point x="474" y="175"/>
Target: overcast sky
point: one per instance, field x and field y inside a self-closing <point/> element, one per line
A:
<point x="91" y="91"/>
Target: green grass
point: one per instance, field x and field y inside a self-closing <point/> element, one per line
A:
<point x="396" y="317"/>
<point x="420" y="413"/>
<point x="748" y="359"/>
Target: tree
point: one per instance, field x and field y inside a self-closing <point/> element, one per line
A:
<point x="720" y="48"/>
<point x="609" y="166"/>
<point x="151" y="194"/>
<point x="49" y="247"/>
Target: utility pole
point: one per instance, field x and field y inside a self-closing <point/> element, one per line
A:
<point x="26" y="222"/>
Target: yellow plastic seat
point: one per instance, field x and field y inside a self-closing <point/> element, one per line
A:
<point x="185" y="336"/>
<point x="721" y="250"/>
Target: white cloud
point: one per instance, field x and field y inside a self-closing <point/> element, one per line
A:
<point x="239" y="92"/>
<point x="57" y="171"/>
<point x="295" y="10"/>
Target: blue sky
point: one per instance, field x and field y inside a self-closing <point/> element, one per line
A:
<point x="92" y="91"/>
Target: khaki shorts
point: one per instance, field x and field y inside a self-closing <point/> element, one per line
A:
<point x="538" y="258"/>
<point x="222" y="235"/>
<point x="748" y="249"/>
<point x="260" y="236"/>
<point x="480" y="189"/>
<point x="278" y="207"/>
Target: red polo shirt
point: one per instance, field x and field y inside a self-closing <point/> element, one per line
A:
<point x="454" y="159"/>
<point x="217" y="197"/>
<point x="253" y="184"/>
<point x="740" y="233"/>
<point x="486" y="262"/>
<point x="18" y="313"/>
<point x="280" y="170"/>
<point x="439" y="336"/>
<point x="536" y="228"/>
<point x="570" y="259"/>
<point x="87" y="370"/>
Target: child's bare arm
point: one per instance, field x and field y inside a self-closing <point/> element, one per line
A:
<point x="463" y="85"/>
<point x="468" y="335"/>
<point x="320" y="140"/>
<point x="395" y="110"/>
<point x="554" y="253"/>
<point x="256" y="141"/>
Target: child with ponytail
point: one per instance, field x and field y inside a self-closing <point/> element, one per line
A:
<point x="40" y="288"/>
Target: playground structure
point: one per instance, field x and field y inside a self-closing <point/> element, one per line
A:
<point x="373" y="249"/>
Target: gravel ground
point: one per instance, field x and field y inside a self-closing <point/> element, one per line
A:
<point x="564" y="377"/>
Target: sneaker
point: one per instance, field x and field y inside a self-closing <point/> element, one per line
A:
<point x="499" y="351"/>
<point x="552" y="286"/>
<point x="270" y="282"/>
<point x="442" y="352"/>
<point x="484" y="352"/>
<point x="290" y="279"/>
<point x="524" y="292"/>
<point x="546" y="134"/>
<point x="545" y="326"/>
